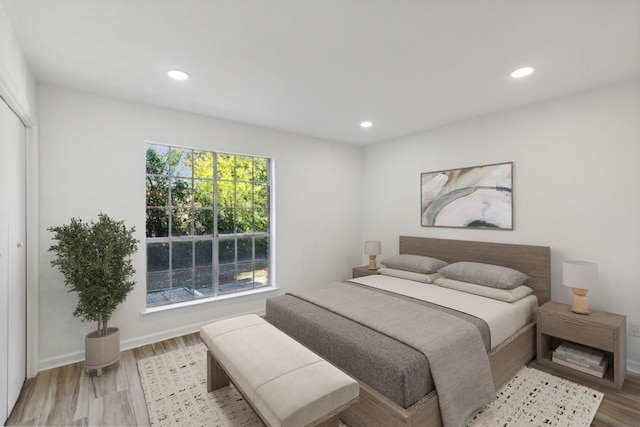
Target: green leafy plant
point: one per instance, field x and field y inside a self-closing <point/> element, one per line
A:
<point x="95" y="259"/>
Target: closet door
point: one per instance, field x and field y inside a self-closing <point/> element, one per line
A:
<point x="13" y="289"/>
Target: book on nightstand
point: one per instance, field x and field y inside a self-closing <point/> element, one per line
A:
<point x="583" y="359"/>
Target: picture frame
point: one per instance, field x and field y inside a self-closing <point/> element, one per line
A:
<point x="471" y="197"/>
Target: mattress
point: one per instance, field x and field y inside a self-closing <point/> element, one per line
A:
<point x="396" y="370"/>
<point x="503" y="318"/>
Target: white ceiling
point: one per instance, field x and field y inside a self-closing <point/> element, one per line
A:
<point x="319" y="67"/>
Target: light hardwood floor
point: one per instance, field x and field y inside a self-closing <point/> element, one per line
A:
<point x="619" y="408"/>
<point x="66" y="396"/>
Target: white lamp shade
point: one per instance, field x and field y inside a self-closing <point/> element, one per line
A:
<point x="580" y="274"/>
<point x="372" y="247"/>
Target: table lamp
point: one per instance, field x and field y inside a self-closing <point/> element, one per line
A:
<point x="580" y="276"/>
<point x="372" y="248"/>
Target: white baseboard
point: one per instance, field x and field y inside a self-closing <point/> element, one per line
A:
<point x="78" y="356"/>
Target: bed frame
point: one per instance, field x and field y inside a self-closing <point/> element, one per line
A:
<point x="374" y="409"/>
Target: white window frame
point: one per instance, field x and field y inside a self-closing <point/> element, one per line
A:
<point x="255" y="260"/>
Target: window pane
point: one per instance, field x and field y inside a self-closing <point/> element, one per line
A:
<point x="260" y="169"/>
<point x="260" y="197"/>
<point x="157" y="159"/>
<point x="157" y="222"/>
<point x="203" y="164"/>
<point x="261" y="220"/>
<point x="244" y="220"/>
<point x="204" y="282"/>
<point x="244" y="194"/>
<point x="245" y="278"/>
<point x="181" y="162"/>
<point x="262" y="248"/>
<point x="157" y="257"/>
<point x="181" y="255"/>
<point x="225" y="221"/>
<point x="262" y="273"/>
<point x="158" y="281"/>
<point x="157" y="191"/>
<point x="181" y="286"/>
<point x="180" y="222"/>
<point x="225" y="164"/>
<point x="204" y="253"/>
<point x="226" y="194"/>
<point x="245" y="249"/>
<point x="203" y="193"/>
<point x="227" y="279"/>
<point x="244" y="169"/>
<point x="227" y="251"/>
<point x="202" y="222"/>
<point x="181" y="192"/>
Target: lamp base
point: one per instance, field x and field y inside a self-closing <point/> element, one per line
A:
<point x="580" y="302"/>
<point x="372" y="262"/>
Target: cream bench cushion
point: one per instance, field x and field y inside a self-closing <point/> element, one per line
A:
<point x="287" y="384"/>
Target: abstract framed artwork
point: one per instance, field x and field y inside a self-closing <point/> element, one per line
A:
<point x="474" y="197"/>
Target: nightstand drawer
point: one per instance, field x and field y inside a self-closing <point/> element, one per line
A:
<point x="578" y="331"/>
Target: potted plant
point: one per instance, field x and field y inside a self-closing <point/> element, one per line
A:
<point x="95" y="259"/>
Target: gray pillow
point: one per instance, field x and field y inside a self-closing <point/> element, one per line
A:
<point x="494" y="276"/>
<point x="415" y="263"/>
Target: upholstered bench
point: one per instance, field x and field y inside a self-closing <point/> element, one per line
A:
<point x="286" y="384"/>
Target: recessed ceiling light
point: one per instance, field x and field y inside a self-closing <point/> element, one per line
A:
<point x="366" y="124"/>
<point x="522" y="72"/>
<point x="178" y="75"/>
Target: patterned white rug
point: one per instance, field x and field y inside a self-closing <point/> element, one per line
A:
<point x="535" y="398"/>
<point x="175" y="390"/>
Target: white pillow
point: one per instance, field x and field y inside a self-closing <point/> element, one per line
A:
<point x="506" y="295"/>
<point x="409" y="275"/>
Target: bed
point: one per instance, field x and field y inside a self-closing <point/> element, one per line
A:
<point x="414" y="402"/>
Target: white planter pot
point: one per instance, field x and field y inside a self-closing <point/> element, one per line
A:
<point x="101" y="351"/>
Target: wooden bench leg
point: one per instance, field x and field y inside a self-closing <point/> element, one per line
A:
<point x="216" y="376"/>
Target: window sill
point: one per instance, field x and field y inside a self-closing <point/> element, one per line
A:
<point x="160" y="308"/>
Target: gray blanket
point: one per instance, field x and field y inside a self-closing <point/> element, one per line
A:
<point x="457" y="357"/>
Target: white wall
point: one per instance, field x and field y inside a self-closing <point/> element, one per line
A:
<point x="92" y="160"/>
<point x="576" y="187"/>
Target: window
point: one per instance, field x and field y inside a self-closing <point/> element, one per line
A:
<point x="208" y="223"/>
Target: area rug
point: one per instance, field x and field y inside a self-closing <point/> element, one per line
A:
<point x="535" y="398"/>
<point x="175" y="390"/>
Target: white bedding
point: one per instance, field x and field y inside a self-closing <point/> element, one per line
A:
<point x="503" y="318"/>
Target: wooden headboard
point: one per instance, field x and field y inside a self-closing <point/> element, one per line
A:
<point x="534" y="261"/>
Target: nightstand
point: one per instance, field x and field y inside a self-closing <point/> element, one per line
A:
<point x="599" y="330"/>
<point x="362" y="271"/>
